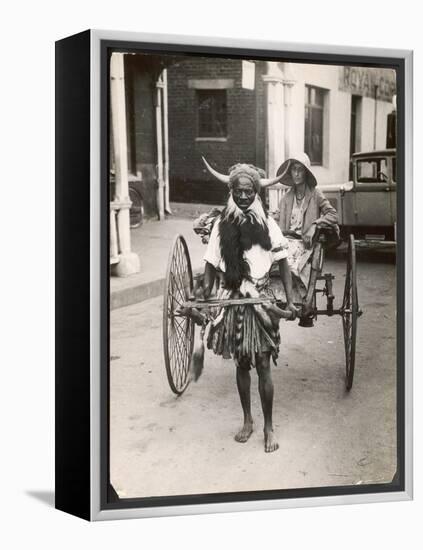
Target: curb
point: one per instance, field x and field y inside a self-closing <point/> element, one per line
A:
<point x="141" y="292"/>
<point x="134" y="294"/>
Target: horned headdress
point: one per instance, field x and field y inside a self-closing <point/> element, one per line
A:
<point x="248" y="170"/>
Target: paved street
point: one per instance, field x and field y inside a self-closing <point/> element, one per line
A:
<point x="164" y="445"/>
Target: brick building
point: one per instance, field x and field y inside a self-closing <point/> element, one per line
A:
<point x="216" y="110"/>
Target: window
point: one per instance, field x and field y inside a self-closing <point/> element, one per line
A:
<point x="313" y="128"/>
<point x="391" y="130"/>
<point x="372" y="171"/>
<point x="212" y="114"/>
<point x="394" y="169"/>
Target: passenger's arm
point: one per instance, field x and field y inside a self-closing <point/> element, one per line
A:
<point x="328" y="214"/>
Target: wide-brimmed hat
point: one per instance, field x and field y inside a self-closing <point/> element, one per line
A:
<point x="285" y="170"/>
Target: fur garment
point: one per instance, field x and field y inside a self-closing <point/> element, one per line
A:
<point x="239" y="230"/>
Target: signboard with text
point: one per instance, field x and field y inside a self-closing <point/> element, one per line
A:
<point x="368" y="82"/>
<point x="248" y="74"/>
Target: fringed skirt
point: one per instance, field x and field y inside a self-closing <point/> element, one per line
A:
<point x="243" y="332"/>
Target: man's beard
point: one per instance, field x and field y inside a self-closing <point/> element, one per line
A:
<point x="239" y="231"/>
<point x="254" y="213"/>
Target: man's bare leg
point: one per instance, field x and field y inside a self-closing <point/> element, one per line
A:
<point x="266" y="396"/>
<point x="243" y="381"/>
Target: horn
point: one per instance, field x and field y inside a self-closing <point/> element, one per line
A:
<point x="266" y="182"/>
<point x="220" y="177"/>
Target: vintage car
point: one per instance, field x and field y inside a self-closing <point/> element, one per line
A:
<point x="367" y="205"/>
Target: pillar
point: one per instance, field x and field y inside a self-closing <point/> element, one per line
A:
<point x="288" y="83"/>
<point x="275" y="129"/>
<point x="166" y="144"/>
<point x="159" y="143"/>
<point x="128" y="261"/>
<point x="275" y="135"/>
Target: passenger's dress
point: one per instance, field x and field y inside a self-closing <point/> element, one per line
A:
<point x="298" y="254"/>
<point x="298" y="259"/>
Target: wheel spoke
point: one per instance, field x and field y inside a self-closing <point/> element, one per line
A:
<point x="179" y="356"/>
<point x="177" y="331"/>
<point x="178" y="346"/>
<point x="349" y="312"/>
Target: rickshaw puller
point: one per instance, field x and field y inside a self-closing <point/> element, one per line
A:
<point x="243" y="245"/>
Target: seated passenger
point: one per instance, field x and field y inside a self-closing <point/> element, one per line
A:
<point x="302" y="210"/>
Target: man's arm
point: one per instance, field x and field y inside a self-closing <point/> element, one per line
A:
<point x="286" y="278"/>
<point x="209" y="278"/>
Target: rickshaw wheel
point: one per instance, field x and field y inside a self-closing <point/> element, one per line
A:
<point x="350" y="311"/>
<point x="178" y="331"/>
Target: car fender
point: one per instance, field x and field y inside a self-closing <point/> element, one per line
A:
<point x="335" y="194"/>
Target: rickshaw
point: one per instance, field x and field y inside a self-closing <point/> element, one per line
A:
<point x="179" y="325"/>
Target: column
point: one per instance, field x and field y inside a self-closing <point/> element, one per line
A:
<point x="166" y="144"/>
<point x="275" y="148"/>
<point x="275" y="131"/>
<point x="288" y="83"/>
<point x="159" y="142"/>
<point x="128" y="261"/>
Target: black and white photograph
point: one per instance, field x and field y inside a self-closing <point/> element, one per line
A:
<point x="253" y="316"/>
<point x="211" y="275"/>
<point x="211" y="283"/>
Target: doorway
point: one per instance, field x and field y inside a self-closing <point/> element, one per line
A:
<point x="355" y="128"/>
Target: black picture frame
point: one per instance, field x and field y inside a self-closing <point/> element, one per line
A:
<point x="82" y="296"/>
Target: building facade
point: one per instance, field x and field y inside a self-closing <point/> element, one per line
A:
<point x="233" y="110"/>
<point x="178" y="109"/>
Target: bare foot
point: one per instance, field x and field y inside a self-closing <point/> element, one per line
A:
<point x="244" y="433"/>
<point x="270" y="443"/>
